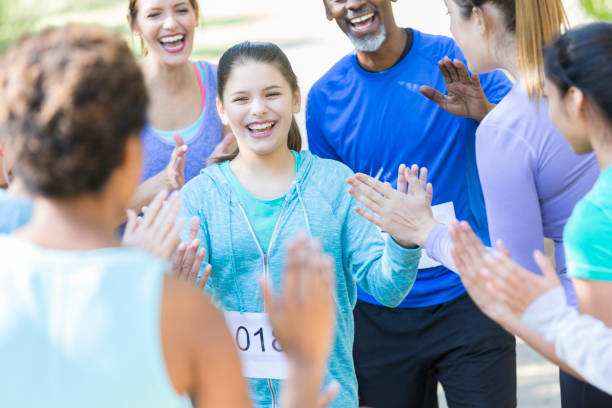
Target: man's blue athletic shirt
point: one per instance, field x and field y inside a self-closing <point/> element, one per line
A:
<point x="375" y="121"/>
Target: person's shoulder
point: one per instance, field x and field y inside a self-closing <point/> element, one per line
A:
<point x="206" y="65"/>
<point x="337" y="172"/>
<point x="186" y="302"/>
<point x="598" y="200"/>
<point x="208" y="71"/>
<point x="328" y="177"/>
<point x="186" y="309"/>
<point x="335" y="76"/>
<point x="522" y="116"/>
<point x="206" y="189"/>
<point x="209" y="177"/>
<point x="125" y="257"/>
<point x="433" y="47"/>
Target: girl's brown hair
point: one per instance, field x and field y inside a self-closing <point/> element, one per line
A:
<point x="536" y="23"/>
<point x="258" y="52"/>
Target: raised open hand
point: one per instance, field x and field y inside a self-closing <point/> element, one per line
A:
<point x="465" y="96"/>
<point x="156" y="230"/>
<point x="187" y="260"/>
<point x="227" y="145"/>
<point x="175" y="170"/>
<point x="516" y="286"/>
<point x="404" y="213"/>
<point x="469" y="255"/>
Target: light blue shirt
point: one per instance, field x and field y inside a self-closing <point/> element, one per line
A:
<point x="14" y="212"/>
<point x="81" y="328"/>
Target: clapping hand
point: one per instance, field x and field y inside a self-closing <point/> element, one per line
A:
<point x="516" y="286"/>
<point x="227" y="145"/>
<point x="175" y="170"/>
<point x="156" y="230"/>
<point x="404" y="213"/>
<point x="500" y="287"/>
<point x="465" y="95"/>
<point x="188" y="258"/>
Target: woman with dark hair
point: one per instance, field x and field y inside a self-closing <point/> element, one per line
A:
<point x="83" y="320"/>
<point x="578" y="69"/>
<point x="252" y="201"/>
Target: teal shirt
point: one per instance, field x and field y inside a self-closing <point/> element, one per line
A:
<point x="317" y="202"/>
<point x="262" y="214"/>
<point x="81" y="328"/>
<point x="588" y="233"/>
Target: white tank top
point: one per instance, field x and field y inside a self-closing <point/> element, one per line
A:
<point x="81" y="328"/>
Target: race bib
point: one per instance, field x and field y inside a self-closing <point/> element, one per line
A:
<point x="260" y="353"/>
<point x="445" y="214"/>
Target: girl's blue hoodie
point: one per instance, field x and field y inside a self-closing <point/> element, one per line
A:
<point x="318" y="203"/>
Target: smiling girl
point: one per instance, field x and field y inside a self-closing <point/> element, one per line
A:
<point x="183" y="127"/>
<point x="253" y="200"/>
<point x="94" y="323"/>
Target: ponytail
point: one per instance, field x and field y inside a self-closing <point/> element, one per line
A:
<point x="538" y="24"/>
<point x="294" y="141"/>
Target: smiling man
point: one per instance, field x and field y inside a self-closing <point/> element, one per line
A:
<point x="367" y="112"/>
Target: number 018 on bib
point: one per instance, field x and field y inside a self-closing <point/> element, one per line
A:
<point x="260" y="353"/>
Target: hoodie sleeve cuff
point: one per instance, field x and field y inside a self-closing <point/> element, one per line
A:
<point x="541" y="314"/>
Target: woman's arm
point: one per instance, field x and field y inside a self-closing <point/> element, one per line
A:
<point x="582" y="341"/>
<point x="488" y="290"/>
<point x="170" y="179"/>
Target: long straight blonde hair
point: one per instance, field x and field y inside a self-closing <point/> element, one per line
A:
<point x="536" y="24"/>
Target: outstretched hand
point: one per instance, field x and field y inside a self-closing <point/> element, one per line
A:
<point x="175" y="170"/>
<point x="404" y="213"/>
<point x="469" y="255"/>
<point x="187" y="260"/>
<point x="465" y="96"/>
<point x="516" y="286"/>
<point x="501" y="288"/>
<point x="156" y="230"/>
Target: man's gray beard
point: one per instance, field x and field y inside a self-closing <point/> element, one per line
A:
<point x="371" y="43"/>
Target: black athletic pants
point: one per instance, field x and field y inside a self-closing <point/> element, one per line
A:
<point x="578" y="394"/>
<point x="401" y="354"/>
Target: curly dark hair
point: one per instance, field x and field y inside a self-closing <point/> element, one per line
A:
<point x="70" y="98"/>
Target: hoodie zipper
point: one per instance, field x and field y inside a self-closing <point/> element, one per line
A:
<point x="265" y="267"/>
<point x="264" y="256"/>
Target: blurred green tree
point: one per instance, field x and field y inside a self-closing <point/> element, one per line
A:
<point x="600" y="9"/>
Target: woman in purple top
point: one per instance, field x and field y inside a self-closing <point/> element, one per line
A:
<point x="530" y="177"/>
<point x="183" y="126"/>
